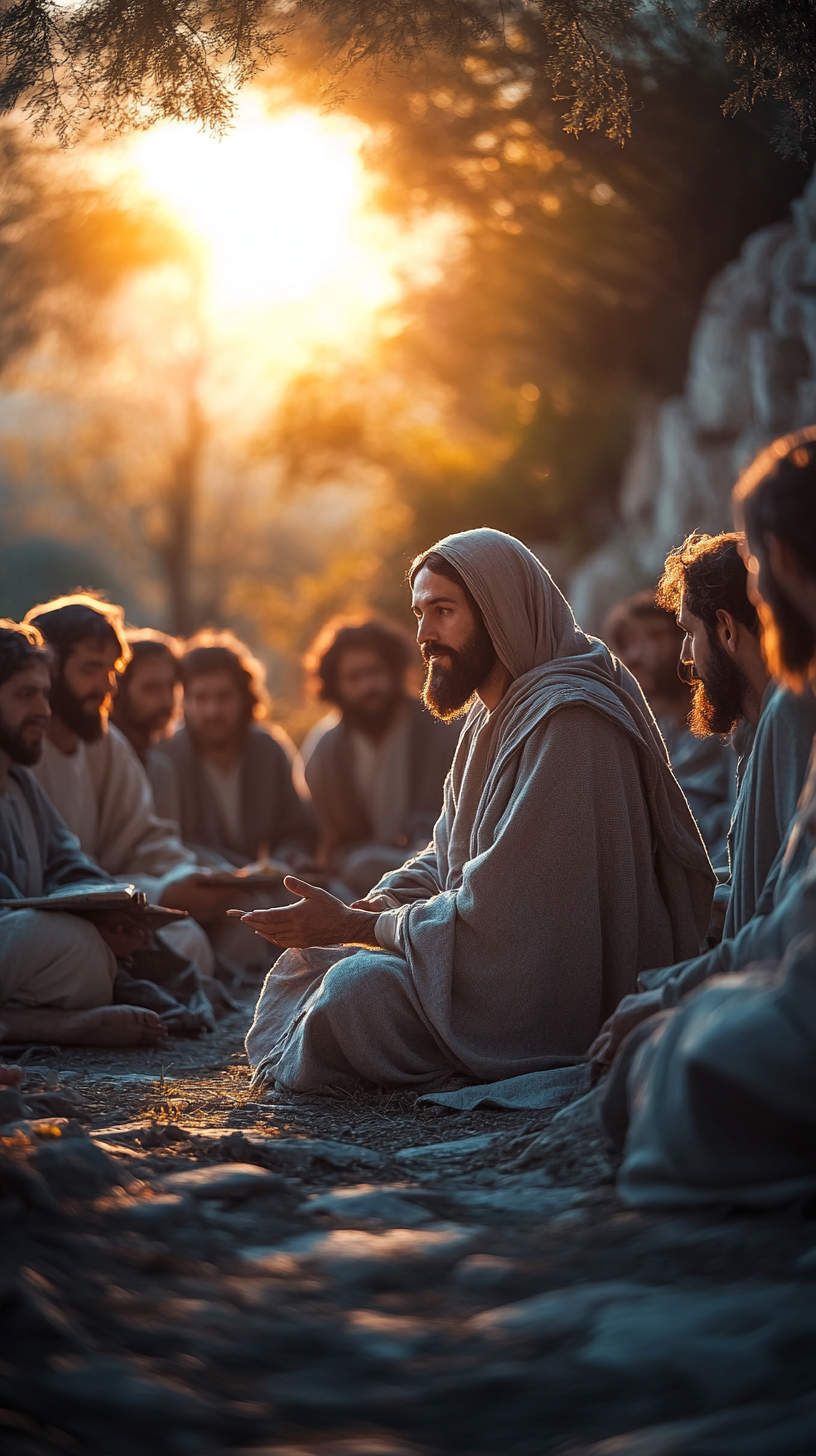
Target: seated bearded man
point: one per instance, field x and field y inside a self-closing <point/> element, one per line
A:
<point x="565" y="860"/>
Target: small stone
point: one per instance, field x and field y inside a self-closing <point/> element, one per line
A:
<point x="154" y="1216"/>
<point x="441" y="1155"/>
<point x="12" y="1107"/>
<point x="369" y="1204"/>
<point x="483" y="1273"/>
<point x="290" y="1155"/>
<point x="235" y="1181"/>
<point x="388" y="1259"/>
<point x="44" y="1128"/>
<point x="76" y="1167"/>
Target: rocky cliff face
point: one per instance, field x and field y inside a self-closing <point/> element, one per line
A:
<point x="751" y="377"/>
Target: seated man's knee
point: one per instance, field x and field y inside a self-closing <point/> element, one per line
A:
<point x="363" y="974"/>
<point x="54" y="960"/>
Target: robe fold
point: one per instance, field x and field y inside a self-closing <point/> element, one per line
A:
<point x="723" y="1093"/>
<point x="760" y="880"/>
<point x="344" y="820"/>
<point x="767" y="799"/>
<point x="564" y="858"/>
<point x="273" y="816"/>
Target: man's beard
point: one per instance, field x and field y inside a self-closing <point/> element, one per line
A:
<point x="15" y="746"/>
<point x="375" y="716"/>
<point x="88" y="723"/>
<point x="447" y="691"/>
<point x="718" y="702"/>
<point x="150" y="723"/>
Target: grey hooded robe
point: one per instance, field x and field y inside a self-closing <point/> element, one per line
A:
<point x="565" y="861"/>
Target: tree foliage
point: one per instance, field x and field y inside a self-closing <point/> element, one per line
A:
<point x="122" y="63"/>
<point x="574" y="299"/>
<point x="66" y="243"/>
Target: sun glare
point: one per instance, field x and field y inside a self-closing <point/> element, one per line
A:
<point x="278" y="205"/>
<point x="297" y="263"/>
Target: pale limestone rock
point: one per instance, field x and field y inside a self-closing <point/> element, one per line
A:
<point x="751" y="377"/>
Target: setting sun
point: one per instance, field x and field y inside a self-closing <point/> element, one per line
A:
<point x="295" y="254"/>
<point x="274" y="202"/>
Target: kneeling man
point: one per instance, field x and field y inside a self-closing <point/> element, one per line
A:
<point x="564" y="862"/>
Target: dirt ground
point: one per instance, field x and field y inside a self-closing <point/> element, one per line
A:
<point x="190" y="1271"/>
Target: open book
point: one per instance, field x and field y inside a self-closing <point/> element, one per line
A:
<point x="260" y="875"/>
<point x="95" y="899"/>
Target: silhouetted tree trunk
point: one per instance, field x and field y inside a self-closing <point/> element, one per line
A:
<point x="182" y="496"/>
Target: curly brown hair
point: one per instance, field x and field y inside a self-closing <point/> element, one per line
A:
<point x="211" y="651"/>
<point x="394" y="648"/>
<point x="708" y="574"/>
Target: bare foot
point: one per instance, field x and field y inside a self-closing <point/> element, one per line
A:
<point x="108" y="1026"/>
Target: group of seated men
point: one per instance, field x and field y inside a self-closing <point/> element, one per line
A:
<point x="94" y="790"/>
<point x="562" y="908"/>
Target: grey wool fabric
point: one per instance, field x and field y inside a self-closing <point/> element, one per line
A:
<point x="722" y="1089"/>
<point x="768" y="794"/>
<point x="338" y="802"/>
<point x="724" y="1092"/>
<point x="565" y="861"/>
<point x="770" y="845"/>
<point x="272" y="813"/>
<point x="63" y="862"/>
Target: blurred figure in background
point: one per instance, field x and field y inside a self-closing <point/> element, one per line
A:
<point x="376" y="777"/>
<point x="647" y="639"/>
<point x="226" y="777"/>
<point x="232" y="789"/>
<point x="146" y="689"/>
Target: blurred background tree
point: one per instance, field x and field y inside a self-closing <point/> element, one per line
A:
<point x="571" y="307"/>
<point x="207" y="477"/>
<point x="120" y="66"/>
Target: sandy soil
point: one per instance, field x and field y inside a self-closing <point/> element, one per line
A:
<point x="206" y="1273"/>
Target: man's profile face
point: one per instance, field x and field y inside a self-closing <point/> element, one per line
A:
<point x="24" y="713"/>
<point x="719" y="688"/>
<point x="456" y="648"/>
<point x="215" y="710"/>
<point x="367" y="689"/>
<point x="650" y="648"/>
<point x="84" y="689"/>
<point x="148" y="693"/>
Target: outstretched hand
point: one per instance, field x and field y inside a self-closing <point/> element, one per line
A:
<point x="317" y="918"/>
<point x="629" y="1014"/>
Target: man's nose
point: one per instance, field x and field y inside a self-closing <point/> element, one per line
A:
<point x="687" y="650"/>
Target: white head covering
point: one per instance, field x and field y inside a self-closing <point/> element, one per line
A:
<point x="529" y="621"/>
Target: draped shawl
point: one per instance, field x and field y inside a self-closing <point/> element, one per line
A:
<point x="565" y="856"/>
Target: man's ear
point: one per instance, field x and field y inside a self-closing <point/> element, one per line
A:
<point x="728" y="632"/>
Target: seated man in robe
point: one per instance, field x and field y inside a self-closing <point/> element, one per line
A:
<point x="97" y="784"/>
<point x="56" y="970"/>
<point x="565" y="857"/>
<point x="706" y="582"/>
<point x="376" y="777"/>
<point x="145" y="698"/>
<point x="226" y="776"/>
<point x="647" y="639"/>
<point x="722" y="1089"/>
